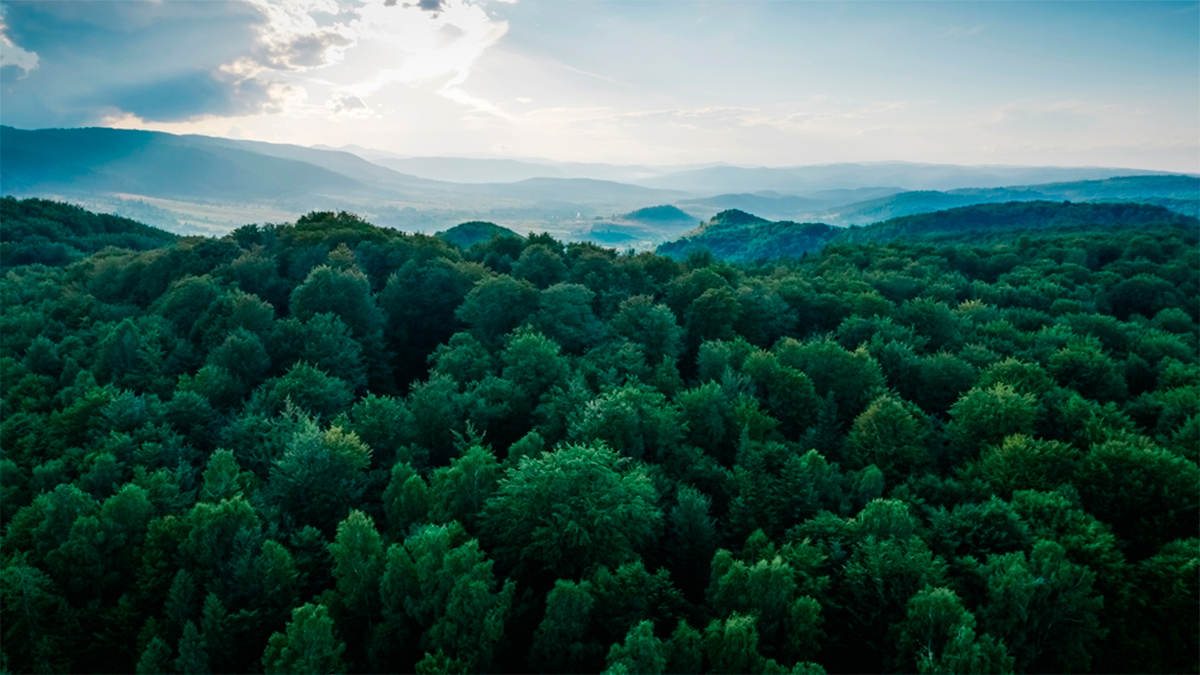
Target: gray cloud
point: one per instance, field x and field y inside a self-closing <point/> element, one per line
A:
<point x="161" y="61"/>
<point x="347" y="103"/>
<point x="192" y="95"/>
<point x="433" y="6"/>
<point x="305" y="51"/>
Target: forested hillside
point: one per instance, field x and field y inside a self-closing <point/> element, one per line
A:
<point x="331" y="447"/>
<point x="737" y="236"/>
<point x="53" y="233"/>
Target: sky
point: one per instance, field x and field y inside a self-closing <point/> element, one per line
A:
<point x="666" y="82"/>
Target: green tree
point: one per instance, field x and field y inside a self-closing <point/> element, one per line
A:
<point x="640" y="653"/>
<point x="1024" y="463"/>
<point x="497" y="305"/>
<point x="319" y="477"/>
<point x="342" y="291"/>
<point x="939" y="636"/>
<point x="1146" y="494"/>
<point x="650" y="326"/>
<point x="309" y="645"/>
<point x="357" y="553"/>
<point x="580" y="505"/>
<point x="691" y="539"/>
<point x="1083" y="366"/>
<point x="565" y="316"/>
<point x="731" y="645"/>
<point x="634" y="420"/>
<point x="890" y="434"/>
<point x="560" y="644"/>
<point x="463" y="358"/>
<point x="533" y="363"/>
<point x="442" y="582"/>
<point x="37" y="620"/>
<point x="1044" y="608"/>
<point x="851" y="377"/>
<point x="984" y="417"/>
<point x="306" y="387"/>
<point x="460" y="490"/>
<point x="540" y="265"/>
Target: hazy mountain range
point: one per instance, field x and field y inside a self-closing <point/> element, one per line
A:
<point x="201" y="184"/>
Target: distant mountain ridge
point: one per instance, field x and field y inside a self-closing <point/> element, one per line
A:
<point x="1180" y="192"/>
<point x="801" y="180"/>
<point x="202" y="184"/>
<point x="742" y="237"/>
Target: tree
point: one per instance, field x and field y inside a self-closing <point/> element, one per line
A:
<point x="223" y="478"/>
<point x="306" y="387"/>
<point x="463" y="358"/>
<point x="889" y="434"/>
<point x="984" y="417"/>
<point x="357" y="553"/>
<point x="497" y="305"/>
<point x="708" y="414"/>
<point x="939" y="636"/>
<point x="1083" y="366"/>
<point x="460" y="490"/>
<point x="442" y="582"/>
<point x="308" y="646"/>
<point x="319" y="477"/>
<point x="560" y="644"/>
<point x="691" y="539"/>
<point x="634" y="420"/>
<point x="533" y="363"/>
<point x="36" y="619"/>
<point x="1043" y="607"/>
<point x="561" y="512"/>
<point x="420" y="300"/>
<point x="650" y="326"/>
<point x="539" y="265"/>
<point x="712" y="316"/>
<point x="731" y="645"/>
<point x="1168" y="589"/>
<point x="342" y="291"/>
<point x="851" y="377"/>
<point x="640" y="653"/>
<point x="872" y="595"/>
<point x="1146" y="494"/>
<point x="767" y="589"/>
<point x="1024" y="463"/>
<point x="565" y="316"/>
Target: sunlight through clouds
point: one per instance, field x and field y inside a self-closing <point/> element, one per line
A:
<point x="633" y="82"/>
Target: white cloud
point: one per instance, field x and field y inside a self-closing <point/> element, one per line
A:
<point x="12" y="55"/>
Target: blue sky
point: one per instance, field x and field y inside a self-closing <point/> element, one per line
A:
<point x="668" y="82"/>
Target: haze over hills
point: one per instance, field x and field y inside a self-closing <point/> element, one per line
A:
<point x="202" y="184"/>
<point x="910" y="176"/>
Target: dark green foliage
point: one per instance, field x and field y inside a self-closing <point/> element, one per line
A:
<point x="53" y="233"/>
<point x="467" y="235"/>
<point x="567" y="510"/>
<point x="300" y="448"/>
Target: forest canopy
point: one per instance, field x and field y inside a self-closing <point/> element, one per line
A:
<point x="330" y="447"/>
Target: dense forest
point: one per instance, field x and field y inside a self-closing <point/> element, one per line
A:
<point x="331" y="447"/>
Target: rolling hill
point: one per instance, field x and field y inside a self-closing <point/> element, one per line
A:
<point x="1179" y="193"/>
<point x="741" y="237"/>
